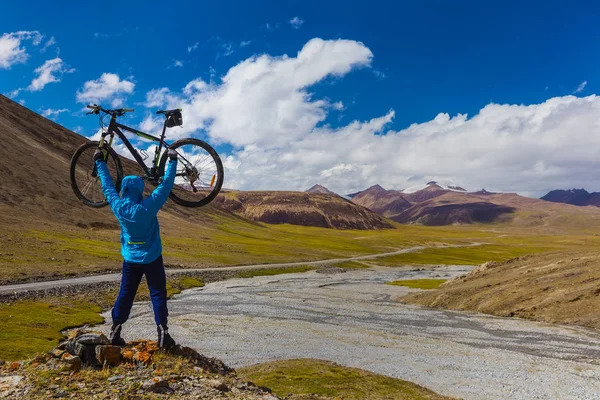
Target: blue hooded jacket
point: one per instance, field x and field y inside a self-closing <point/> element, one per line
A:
<point x="140" y="233"/>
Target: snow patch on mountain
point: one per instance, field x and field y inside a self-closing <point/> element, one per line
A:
<point x="446" y="185"/>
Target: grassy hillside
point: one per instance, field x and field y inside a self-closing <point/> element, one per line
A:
<point x="307" y="379"/>
<point x="558" y="287"/>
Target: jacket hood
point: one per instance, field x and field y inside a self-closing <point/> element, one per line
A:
<point x="132" y="188"/>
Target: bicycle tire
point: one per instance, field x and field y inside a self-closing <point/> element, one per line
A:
<point x="73" y="171"/>
<point x="219" y="172"/>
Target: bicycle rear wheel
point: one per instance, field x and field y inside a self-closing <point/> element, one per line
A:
<point x="84" y="178"/>
<point x="199" y="173"/>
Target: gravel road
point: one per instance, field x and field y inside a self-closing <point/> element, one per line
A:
<point x="115" y="277"/>
<point x="352" y="318"/>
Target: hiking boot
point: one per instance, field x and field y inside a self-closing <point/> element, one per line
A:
<point x="165" y="341"/>
<point x="115" y="336"/>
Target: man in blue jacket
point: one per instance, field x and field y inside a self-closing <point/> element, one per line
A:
<point x="140" y="245"/>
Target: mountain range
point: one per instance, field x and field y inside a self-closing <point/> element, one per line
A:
<point x="35" y="186"/>
<point x="576" y="197"/>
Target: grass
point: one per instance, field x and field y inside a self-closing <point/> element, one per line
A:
<point x="29" y="249"/>
<point x="32" y="326"/>
<point x="274" y="271"/>
<point x="307" y="377"/>
<point x="418" y="283"/>
<point x="178" y="285"/>
<point x="472" y="255"/>
<point x="351" y="265"/>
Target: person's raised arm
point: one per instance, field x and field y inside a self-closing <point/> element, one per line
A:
<point x="159" y="196"/>
<point x="108" y="187"/>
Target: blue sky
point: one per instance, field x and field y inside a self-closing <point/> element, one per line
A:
<point x="427" y="58"/>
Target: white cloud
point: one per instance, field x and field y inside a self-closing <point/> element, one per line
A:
<point x="193" y="47"/>
<point x="14" y="93"/>
<point x="580" y="88"/>
<point x="379" y="74"/>
<point x="50" y="71"/>
<point x="271" y="27"/>
<point x="227" y="49"/>
<point x="339" y="106"/>
<point x="296" y="22"/>
<point x="152" y="124"/>
<point x="49" y="112"/>
<point x="264" y="108"/>
<point x="107" y="87"/>
<point x="11" y="51"/>
<point x="528" y="149"/>
<point x="245" y="43"/>
<point x="264" y="100"/>
<point x="177" y="63"/>
<point x="50" y="42"/>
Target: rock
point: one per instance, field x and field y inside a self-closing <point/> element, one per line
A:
<point x="76" y="349"/>
<point x="89" y="356"/>
<point x="108" y="356"/>
<point x="62" y="345"/>
<point x="56" y="352"/>
<point x="74" y="362"/>
<point x="157" y="385"/>
<point x="92" y="338"/>
<point x="74" y="334"/>
<point x="115" y="378"/>
<point x="2" y="362"/>
<point x="219" y="385"/>
<point x="61" y="393"/>
<point x="8" y="382"/>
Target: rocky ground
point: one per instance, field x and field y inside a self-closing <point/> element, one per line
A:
<point x="353" y="318"/>
<point x="86" y="367"/>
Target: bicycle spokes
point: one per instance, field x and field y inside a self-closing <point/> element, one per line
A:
<point x="196" y="171"/>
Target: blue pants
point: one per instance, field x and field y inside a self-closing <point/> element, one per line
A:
<point x="157" y="283"/>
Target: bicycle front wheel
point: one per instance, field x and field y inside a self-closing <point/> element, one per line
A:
<point x="199" y="173"/>
<point x="84" y="176"/>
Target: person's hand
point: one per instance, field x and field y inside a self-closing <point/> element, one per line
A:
<point x="172" y="154"/>
<point x="99" y="156"/>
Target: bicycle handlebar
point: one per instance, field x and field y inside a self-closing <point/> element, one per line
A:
<point x="115" y="113"/>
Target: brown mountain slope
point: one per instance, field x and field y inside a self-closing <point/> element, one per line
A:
<point x="576" y="197"/>
<point x="34" y="164"/>
<point x="319" y="189"/>
<point x="311" y="209"/>
<point x="554" y="287"/>
<point x="434" y="205"/>
<point x="388" y="203"/>
<point x="45" y="231"/>
<point x="435" y="213"/>
<point x="35" y="158"/>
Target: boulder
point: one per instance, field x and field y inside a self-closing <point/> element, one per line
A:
<point x="92" y="338"/>
<point x="73" y="362"/>
<point x="108" y="356"/>
<point x="76" y="349"/>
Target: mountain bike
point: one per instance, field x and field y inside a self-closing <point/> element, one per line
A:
<point x="199" y="175"/>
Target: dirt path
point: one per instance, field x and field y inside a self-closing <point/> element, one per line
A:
<point x="23" y="287"/>
<point x="352" y="318"/>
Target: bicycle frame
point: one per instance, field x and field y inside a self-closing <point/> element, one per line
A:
<point x="115" y="128"/>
